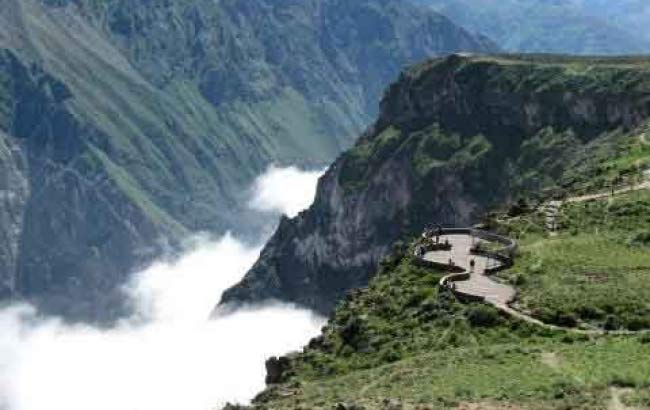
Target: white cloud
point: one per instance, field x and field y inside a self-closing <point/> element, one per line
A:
<point x="168" y="355"/>
<point x="285" y="190"/>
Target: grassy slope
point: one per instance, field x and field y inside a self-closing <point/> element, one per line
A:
<point x="185" y="155"/>
<point x="413" y="344"/>
<point x="595" y="270"/>
<point x="582" y="157"/>
<point x="402" y="339"/>
<point x="456" y="136"/>
<point x="144" y="131"/>
<point x="193" y="99"/>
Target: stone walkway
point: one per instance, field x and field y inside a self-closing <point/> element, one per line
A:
<point x="551" y="211"/>
<point x="478" y="284"/>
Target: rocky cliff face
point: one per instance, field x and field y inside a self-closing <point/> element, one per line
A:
<point x="455" y="136"/>
<point x="14" y="190"/>
<point x="69" y="230"/>
<point x="126" y="126"/>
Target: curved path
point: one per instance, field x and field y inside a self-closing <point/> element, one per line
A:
<point x="476" y="283"/>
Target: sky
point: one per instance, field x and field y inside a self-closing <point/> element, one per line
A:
<point x="169" y="354"/>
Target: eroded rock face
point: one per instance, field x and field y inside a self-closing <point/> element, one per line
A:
<point x="14" y="191"/>
<point x="455" y="136"/>
<point x="276" y="368"/>
<point x="68" y="230"/>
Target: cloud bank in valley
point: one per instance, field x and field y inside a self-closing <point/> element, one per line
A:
<point x="285" y="190"/>
<point x="168" y="355"/>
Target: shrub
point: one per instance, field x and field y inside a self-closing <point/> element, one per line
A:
<point x="565" y="319"/>
<point x="613" y="323"/>
<point x="483" y="316"/>
<point x="565" y="388"/>
<point x="639" y="239"/>
<point x="636" y="323"/>
<point x="622" y="381"/>
<point x="391" y="355"/>
<point x="590" y="313"/>
<point x="419" y="296"/>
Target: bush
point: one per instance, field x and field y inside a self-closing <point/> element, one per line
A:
<point x="636" y="323"/>
<point x="564" y="388"/>
<point x="419" y="296"/>
<point x="590" y="313"/>
<point x="622" y="381"/>
<point x="391" y="355"/>
<point x="483" y="316"/>
<point x="566" y="320"/>
<point x="639" y="239"/>
<point x="613" y="323"/>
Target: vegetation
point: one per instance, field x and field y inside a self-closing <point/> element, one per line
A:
<point x="594" y="271"/>
<point x="403" y="342"/>
<point x="458" y="136"/>
<point x="146" y="121"/>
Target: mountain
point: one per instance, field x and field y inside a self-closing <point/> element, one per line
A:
<point x="554" y="26"/>
<point x="127" y="126"/>
<point x="455" y="138"/>
<point x="403" y="342"/>
<point x="632" y="15"/>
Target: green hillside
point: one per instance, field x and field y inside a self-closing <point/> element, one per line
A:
<point x="456" y="137"/>
<point x="403" y="343"/>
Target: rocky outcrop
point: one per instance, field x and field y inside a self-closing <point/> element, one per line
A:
<point x="455" y="136"/>
<point x="14" y="191"/>
<point x="69" y="229"/>
<point x="276" y="369"/>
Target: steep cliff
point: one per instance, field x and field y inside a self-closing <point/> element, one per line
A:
<point x="455" y="137"/>
<point x="126" y="126"/>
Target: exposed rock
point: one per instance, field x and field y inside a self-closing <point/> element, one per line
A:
<point x="230" y="406"/>
<point x="276" y="370"/>
<point x="14" y="191"/>
<point x="348" y="406"/>
<point x="455" y="137"/>
<point x="392" y="404"/>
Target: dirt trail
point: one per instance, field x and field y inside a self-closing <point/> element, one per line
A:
<point x="551" y="209"/>
<point x="616" y="401"/>
<point x="550" y="359"/>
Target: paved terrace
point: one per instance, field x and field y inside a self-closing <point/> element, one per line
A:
<point x="478" y="284"/>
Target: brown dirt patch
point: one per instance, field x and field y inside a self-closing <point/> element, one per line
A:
<point x="616" y="401"/>
<point x="550" y="359"/>
<point x="487" y="405"/>
<point x="597" y="277"/>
